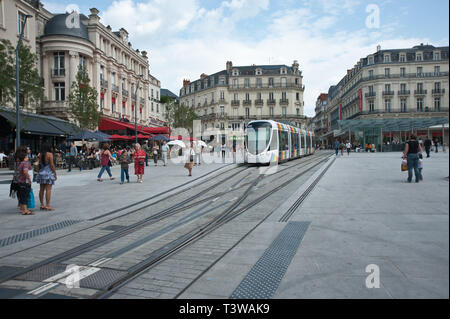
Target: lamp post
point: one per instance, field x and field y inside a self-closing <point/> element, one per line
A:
<point x="17" y="82"/>
<point x="135" y="109"/>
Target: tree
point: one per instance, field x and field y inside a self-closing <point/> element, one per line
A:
<point x="31" y="86"/>
<point x="179" y="115"/>
<point x="83" y="101"/>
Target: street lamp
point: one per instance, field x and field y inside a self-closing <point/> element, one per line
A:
<point x="135" y="109"/>
<point x="17" y="81"/>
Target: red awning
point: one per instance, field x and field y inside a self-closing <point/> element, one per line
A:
<point x="141" y="136"/>
<point x="119" y="137"/>
<point x="114" y="125"/>
<point x="157" y="130"/>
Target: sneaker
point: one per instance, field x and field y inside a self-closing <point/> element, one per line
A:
<point x="128" y="180"/>
<point x="121" y="183"/>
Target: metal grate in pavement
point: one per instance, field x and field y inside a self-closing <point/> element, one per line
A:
<point x="113" y="227"/>
<point x="36" y="232"/>
<point x="43" y="272"/>
<point x="101" y="278"/>
<point x="263" y="279"/>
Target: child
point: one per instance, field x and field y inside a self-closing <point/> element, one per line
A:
<point x="420" y="166"/>
<point x="124" y="160"/>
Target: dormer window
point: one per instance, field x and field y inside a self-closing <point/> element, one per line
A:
<point x="402" y="57"/>
<point x="436" y="56"/>
<point x="222" y="81"/>
<point x="419" y="57"/>
<point x="370" y="60"/>
<point x="235" y="72"/>
<point x="258" y="72"/>
<point x="387" y="58"/>
<point x="283" y="71"/>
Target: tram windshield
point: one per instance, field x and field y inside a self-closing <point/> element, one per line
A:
<point x="258" y="137"/>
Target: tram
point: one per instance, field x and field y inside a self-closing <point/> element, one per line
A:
<point x="268" y="142"/>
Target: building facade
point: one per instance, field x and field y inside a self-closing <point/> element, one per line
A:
<point x="319" y="120"/>
<point x="65" y="42"/>
<point x="157" y="112"/>
<point x="397" y="83"/>
<point x="229" y="99"/>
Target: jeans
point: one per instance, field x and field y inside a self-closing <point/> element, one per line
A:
<point x="413" y="164"/>
<point x="102" y="170"/>
<point x="427" y="150"/>
<point x="146" y="159"/>
<point x="70" y="160"/>
<point x="337" y="151"/>
<point x="123" y="173"/>
<point x="164" y="157"/>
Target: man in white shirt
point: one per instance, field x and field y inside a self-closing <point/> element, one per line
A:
<point x="348" y="146"/>
<point x="2" y="156"/>
<point x="198" y="150"/>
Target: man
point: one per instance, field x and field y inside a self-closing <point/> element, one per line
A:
<point x="197" y="150"/>
<point x="436" y="145"/>
<point x="2" y="156"/>
<point x="164" y="152"/>
<point x="427" y="145"/>
<point x="73" y="153"/>
<point x="146" y="150"/>
<point x="348" y="146"/>
<point x="336" y="146"/>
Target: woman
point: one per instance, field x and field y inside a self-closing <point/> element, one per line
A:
<point x="46" y="177"/>
<point x="139" y="162"/>
<point x="190" y="158"/>
<point x="411" y="153"/>
<point x="24" y="181"/>
<point x="155" y="153"/>
<point x="105" y="159"/>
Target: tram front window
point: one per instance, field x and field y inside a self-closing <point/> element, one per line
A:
<point x="258" y="137"/>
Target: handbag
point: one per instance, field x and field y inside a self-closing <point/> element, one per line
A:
<point x="404" y="166"/>
<point x="30" y="201"/>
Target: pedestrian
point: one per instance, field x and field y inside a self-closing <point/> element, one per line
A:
<point x="24" y="181"/>
<point x="124" y="160"/>
<point x="341" y="147"/>
<point x="336" y="147"/>
<point x="197" y="150"/>
<point x="73" y="153"/>
<point x="436" y="145"/>
<point x="139" y="162"/>
<point x="224" y="150"/>
<point x="164" y="152"/>
<point x="348" y="146"/>
<point x="427" y="145"/>
<point x="420" y="166"/>
<point x="46" y="177"/>
<point x="412" y="148"/>
<point x="147" y="152"/>
<point x="2" y="157"/>
<point x="11" y="160"/>
<point x="105" y="162"/>
<point x="189" y="157"/>
<point x="155" y="153"/>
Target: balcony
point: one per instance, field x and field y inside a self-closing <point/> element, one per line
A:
<point x="235" y="103"/>
<point x="271" y="102"/>
<point x="403" y="93"/>
<point x="438" y="91"/>
<point x="104" y="83"/>
<point x="284" y="102"/>
<point x="247" y="102"/>
<point x="124" y="92"/>
<point x="212" y="102"/>
<point x="388" y="93"/>
<point x="222" y="100"/>
<point x="259" y="102"/>
<point x="370" y="94"/>
<point x="58" y="72"/>
<point x="420" y="92"/>
<point x="115" y="88"/>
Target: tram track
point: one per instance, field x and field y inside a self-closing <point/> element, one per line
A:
<point x="230" y="213"/>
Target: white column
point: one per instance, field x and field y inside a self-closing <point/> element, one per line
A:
<point x="72" y="67"/>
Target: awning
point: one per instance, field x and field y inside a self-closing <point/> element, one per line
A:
<point x="40" y="124"/>
<point x="392" y="124"/>
<point x="157" y="130"/>
<point x="113" y="125"/>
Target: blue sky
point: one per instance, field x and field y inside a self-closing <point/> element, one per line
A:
<point x="327" y="37"/>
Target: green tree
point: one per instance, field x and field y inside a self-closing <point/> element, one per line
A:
<point x="83" y="101"/>
<point x="31" y="86"/>
<point x="179" y="115"/>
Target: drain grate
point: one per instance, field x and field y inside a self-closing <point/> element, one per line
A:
<point x="263" y="279"/>
<point x="36" y="232"/>
<point x="43" y="272"/>
<point x="102" y="278"/>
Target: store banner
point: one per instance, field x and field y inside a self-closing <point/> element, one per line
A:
<point x="360" y="99"/>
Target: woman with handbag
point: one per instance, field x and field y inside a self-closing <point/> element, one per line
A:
<point x="105" y="162"/>
<point x="139" y="162"/>
<point x="47" y="176"/>
<point x="190" y="153"/>
<point x="411" y="154"/>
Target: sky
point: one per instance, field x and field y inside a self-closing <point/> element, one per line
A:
<point x="185" y="38"/>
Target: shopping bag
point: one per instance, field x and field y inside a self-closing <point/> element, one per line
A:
<point x="30" y="202"/>
<point x="404" y="165"/>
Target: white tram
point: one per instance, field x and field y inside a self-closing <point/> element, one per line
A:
<point x="269" y="141"/>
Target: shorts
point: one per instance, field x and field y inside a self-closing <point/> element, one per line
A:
<point x="22" y="193"/>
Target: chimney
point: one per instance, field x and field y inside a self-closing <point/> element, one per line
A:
<point x="186" y="82"/>
<point x="229" y="65"/>
<point x="203" y="75"/>
<point x="348" y="72"/>
<point x="378" y="48"/>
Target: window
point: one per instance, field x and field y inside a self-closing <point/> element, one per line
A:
<point x="222" y="110"/>
<point x="370" y="60"/>
<point x="222" y="95"/>
<point x="271" y="96"/>
<point x="259" y="96"/>
<point x="235" y="72"/>
<point x="402" y="58"/>
<point x="370" y="74"/>
<point x="259" y="83"/>
<point x="298" y="111"/>
<point x="296" y="81"/>
<point x="283" y="96"/>
<point x="387" y="72"/>
<point x="387" y="105"/>
<point x="271" y="111"/>
<point x="283" y="111"/>
<point x="297" y="96"/>
<point x="222" y="125"/>
<point x="419" y="105"/>
<point x="419" y="70"/>
<point x="247" y="83"/>
<point x="387" y="58"/>
<point x="387" y="87"/>
<point x="371" y="106"/>
<point x="235" y="83"/>
<point x="82" y="62"/>
<point x="283" y="82"/>
<point x="20" y="22"/>
<point x="419" y="87"/>
<point x="437" y="103"/>
<point x="157" y="108"/>
<point x="60" y="92"/>
<point x="236" y="96"/>
<point x="258" y="72"/>
<point x="403" y="105"/>
<point x="102" y="103"/>
<point x="437" y="70"/>
<point x="247" y="112"/>
<point x="222" y="81"/>
<point x="270" y="82"/>
<point x="402" y="72"/>
<point x="436" y="56"/>
<point x="403" y="87"/>
<point x="113" y="105"/>
<point x="370" y="89"/>
<point x="437" y="86"/>
<point x="58" y="63"/>
<point x="102" y="76"/>
<point x="235" y="126"/>
<point x="153" y="109"/>
<point x="419" y="57"/>
<point x="247" y="96"/>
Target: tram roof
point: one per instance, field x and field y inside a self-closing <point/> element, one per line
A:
<point x="392" y="124"/>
